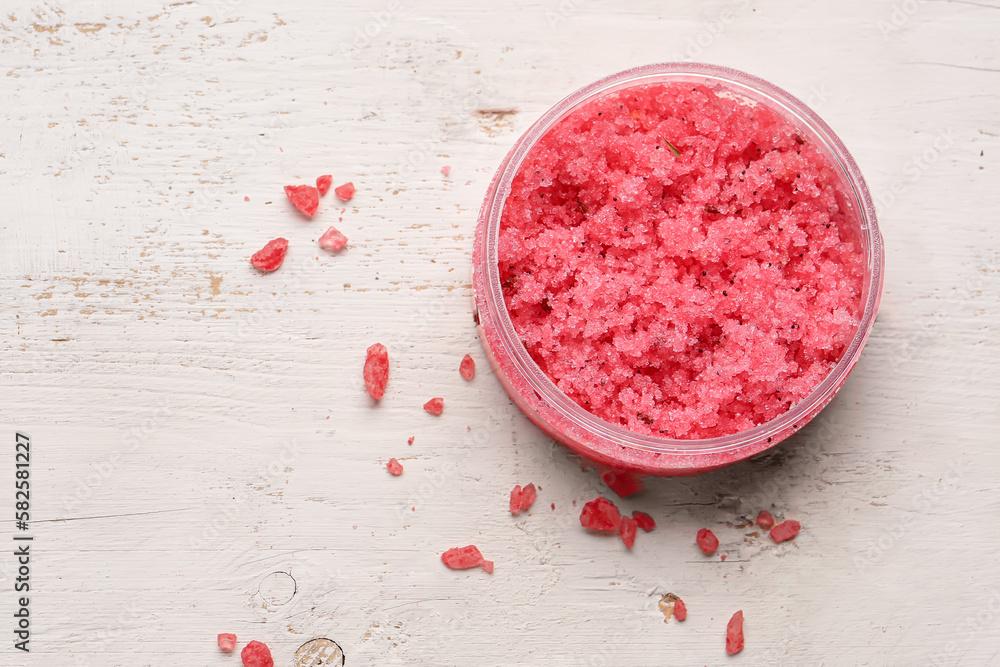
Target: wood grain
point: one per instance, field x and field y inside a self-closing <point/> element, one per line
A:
<point x="197" y="426"/>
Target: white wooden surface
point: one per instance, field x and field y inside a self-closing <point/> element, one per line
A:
<point x="197" y="427"/>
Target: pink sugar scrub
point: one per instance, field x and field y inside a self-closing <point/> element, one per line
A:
<point x="679" y="262"/>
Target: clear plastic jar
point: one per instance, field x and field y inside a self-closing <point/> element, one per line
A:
<point x="609" y="445"/>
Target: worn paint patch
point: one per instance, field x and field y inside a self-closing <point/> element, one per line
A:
<point x="319" y="651"/>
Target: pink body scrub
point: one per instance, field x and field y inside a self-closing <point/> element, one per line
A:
<point x="679" y="262"/>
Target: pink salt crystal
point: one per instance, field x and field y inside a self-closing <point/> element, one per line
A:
<point x="627" y="531"/>
<point x="410" y="440"/>
<point x="395" y="467"/>
<point x="227" y="641"/>
<point x="323" y="183"/>
<point x="528" y="495"/>
<point x="467" y="369"/>
<point x="446" y="170"/>
<point x="765" y="520"/>
<point x="303" y="197"/>
<point x="621" y="483"/>
<point x="488" y="566"/>
<point x="644" y="521"/>
<point x="246" y="198"/>
<point x="688" y="295"/>
<point x="734" y="634"/>
<point x="271" y="256"/>
<point x="600" y="514"/>
<point x="376" y="371"/>
<point x="256" y="654"/>
<point x="333" y="239"/>
<point x="462" y="558"/>
<point x="785" y="531"/>
<point x="707" y="541"/>
<point x="435" y="406"/>
<point x="515" y="499"/>
<point x="345" y="191"/>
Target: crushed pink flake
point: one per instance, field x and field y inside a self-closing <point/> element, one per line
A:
<point x="395" y="467"/>
<point x="515" y="499"/>
<point x="600" y="514"/>
<point x="528" y="495"/>
<point x="467" y="368"/>
<point x="765" y="520"/>
<point x="446" y="170"/>
<point x="707" y="541"/>
<point x="333" y="239"/>
<point x="621" y="483"/>
<point x="627" y="531"/>
<point x="723" y="557"/>
<point x="462" y="558"/>
<point x="271" y="256"/>
<point x="785" y="530"/>
<point x="410" y="440"/>
<point x="376" y="371"/>
<point x="680" y="610"/>
<point x="345" y="191"/>
<point x="644" y="521"/>
<point x="227" y="641"/>
<point x="246" y="198"/>
<point x="256" y="654"/>
<point x="323" y="183"/>
<point x="435" y="406"/>
<point x="734" y="634"/>
<point x="487" y="565"/>
<point x="303" y="197"/>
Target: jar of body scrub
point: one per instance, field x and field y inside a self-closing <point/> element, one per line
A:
<point x="676" y="268"/>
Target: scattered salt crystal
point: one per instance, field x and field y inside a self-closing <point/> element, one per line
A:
<point x="528" y="495"/>
<point x="467" y="368"/>
<point x="785" y="530"/>
<point x="707" y="541"/>
<point x="376" y="372"/>
<point x="333" y="239"/>
<point x="600" y="514"/>
<point x="345" y="191"/>
<point x="462" y="558"/>
<point x="515" y="499"/>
